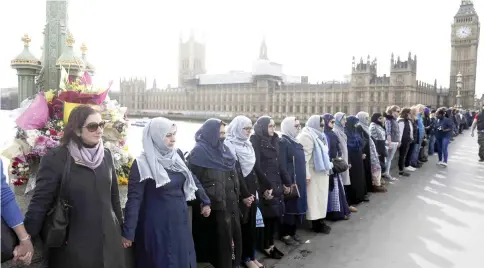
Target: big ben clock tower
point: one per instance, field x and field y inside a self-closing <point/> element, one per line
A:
<point x="465" y="42"/>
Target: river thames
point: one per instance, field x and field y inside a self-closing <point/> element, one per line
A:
<point x="185" y="134"/>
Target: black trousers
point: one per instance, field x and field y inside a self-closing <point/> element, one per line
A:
<point x="287" y="230"/>
<point x="402" y="158"/>
<point x="408" y="155"/>
<point x="270" y="226"/>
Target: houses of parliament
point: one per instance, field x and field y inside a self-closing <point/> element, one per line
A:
<point x="267" y="90"/>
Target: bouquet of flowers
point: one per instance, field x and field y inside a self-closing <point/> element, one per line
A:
<point x="40" y="128"/>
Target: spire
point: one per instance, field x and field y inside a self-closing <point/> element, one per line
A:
<point x="263" y="50"/>
<point x="154" y="83"/>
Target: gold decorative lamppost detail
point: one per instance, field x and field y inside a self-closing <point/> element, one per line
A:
<point x="27" y="66"/>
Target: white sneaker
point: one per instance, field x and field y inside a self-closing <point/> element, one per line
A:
<point x="389" y="177"/>
<point x="444" y="164"/>
<point x="439" y="163"/>
<point x="410" y="168"/>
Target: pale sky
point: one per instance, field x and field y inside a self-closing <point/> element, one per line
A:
<point x="316" y="38"/>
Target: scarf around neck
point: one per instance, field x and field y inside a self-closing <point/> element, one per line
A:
<point x="156" y="158"/>
<point x="89" y="157"/>
<point x="320" y="150"/>
<point x="239" y="144"/>
<point x="338" y="127"/>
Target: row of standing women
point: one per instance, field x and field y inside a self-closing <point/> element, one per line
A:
<point x="225" y="180"/>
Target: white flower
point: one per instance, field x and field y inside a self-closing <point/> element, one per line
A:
<point x="26" y="168"/>
<point x="21" y="169"/>
<point x="10" y="170"/>
<point x="47" y="133"/>
<point x="20" y="165"/>
<point x="117" y="156"/>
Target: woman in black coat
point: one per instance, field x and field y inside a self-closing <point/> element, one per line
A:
<point x="94" y="232"/>
<point x="268" y="166"/>
<point x="238" y="133"/>
<point x="217" y="238"/>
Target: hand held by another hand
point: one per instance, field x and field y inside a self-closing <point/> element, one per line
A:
<point x="126" y="242"/>
<point x="286" y="189"/>
<point x="248" y="201"/>
<point x="268" y="194"/>
<point x="24" y="252"/>
<point x="206" y="211"/>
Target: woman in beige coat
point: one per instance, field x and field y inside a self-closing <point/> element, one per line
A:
<point x="318" y="166"/>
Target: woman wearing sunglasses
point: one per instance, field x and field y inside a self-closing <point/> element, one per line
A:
<point x="91" y="188"/>
<point x="291" y="153"/>
<point x="156" y="217"/>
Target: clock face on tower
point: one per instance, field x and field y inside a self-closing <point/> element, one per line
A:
<point x="463" y="31"/>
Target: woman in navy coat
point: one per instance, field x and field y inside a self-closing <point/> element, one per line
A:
<point x="156" y="218"/>
<point x="292" y="157"/>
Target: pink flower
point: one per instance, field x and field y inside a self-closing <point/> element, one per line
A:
<point x="41" y="139"/>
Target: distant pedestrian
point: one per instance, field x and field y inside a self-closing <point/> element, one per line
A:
<point x="479" y="124"/>
<point x="443" y="132"/>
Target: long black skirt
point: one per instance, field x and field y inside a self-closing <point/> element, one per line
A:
<point x="249" y="234"/>
<point x="358" y="189"/>
<point x="213" y="237"/>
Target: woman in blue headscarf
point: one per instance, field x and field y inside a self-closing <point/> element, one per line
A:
<point x="338" y="208"/>
<point x="217" y="238"/>
<point x="318" y="167"/>
<point x="156" y="217"/>
<point x="268" y="166"/>
<point x="357" y="192"/>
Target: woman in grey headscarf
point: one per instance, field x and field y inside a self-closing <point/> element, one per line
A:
<point x="237" y="140"/>
<point x="160" y="184"/>
<point x="374" y="162"/>
<point x="291" y="155"/>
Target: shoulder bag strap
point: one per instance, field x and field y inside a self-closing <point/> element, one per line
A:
<point x="294" y="168"/>
<point x="63" y="192"/>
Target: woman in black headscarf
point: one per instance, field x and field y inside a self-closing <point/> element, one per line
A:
<point x="268" y="166"/>
<point x="357" y="191"/>
<point x="217" y="238"/>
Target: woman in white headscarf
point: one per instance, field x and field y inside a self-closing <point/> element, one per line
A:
<point x="291" y="156"/>
<point x="318" y="166"/>
<point x="237" y="140"/>
<point x="156" y="217"/>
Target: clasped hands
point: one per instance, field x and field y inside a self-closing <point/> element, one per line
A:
<point x="24" y="252"/>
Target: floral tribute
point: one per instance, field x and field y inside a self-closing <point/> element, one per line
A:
<point x="40" y="127"/>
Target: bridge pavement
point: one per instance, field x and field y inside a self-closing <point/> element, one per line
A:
<point x="433" y="219"/>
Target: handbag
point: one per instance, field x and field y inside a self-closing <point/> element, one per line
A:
<point x="54" y="228"/>
<point x="9" y="242"/>
<point x="339" y="165"/>
<point x="294" y="192"/>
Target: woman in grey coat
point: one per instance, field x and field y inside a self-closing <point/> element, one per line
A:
<point x="94" y="232"/>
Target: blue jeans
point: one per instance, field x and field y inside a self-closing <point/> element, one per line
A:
<point x="431" y="144"/>
<point x="415" y="155"/>
<point x="443" y="144"/>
